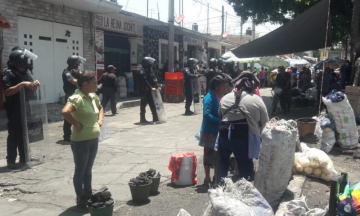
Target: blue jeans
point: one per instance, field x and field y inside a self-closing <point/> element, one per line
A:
<point x="240" y="148"/>
<point x="84" y="156"/>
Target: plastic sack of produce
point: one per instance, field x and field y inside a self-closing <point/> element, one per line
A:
<point x="312" y="161"/>
<point x="299" y="207"/>
<point x="343" y="115"/>
<point x="328" y="140"/>
<point x="238" y="199"/>
<point x="279" y="139"/>
<point x="104" y="132"/>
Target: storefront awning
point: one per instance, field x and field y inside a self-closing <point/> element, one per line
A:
<point x="4" y="23"/>
<point x="305" y="32"/>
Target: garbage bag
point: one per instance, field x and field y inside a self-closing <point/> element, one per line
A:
<point x="326" y="122"/>
<point x="344" y="118"/>
<point x="238" y="199"/>
<point x="104" y="131"/>
<point x="312" y="161"/>
<point x="328" y="140"/>
<point x="279" y="140"/>
<point x="299" y="207"/>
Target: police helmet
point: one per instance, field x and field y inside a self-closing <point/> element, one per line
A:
<point x="212" y="63"/>
<point x="220" y="62"/>
<point x="230" y="64"/>
<point x="74" y="61"/>
<point x="20" y="57"/>
<point x="192" y="62"/>
<point x="147" y="62"/>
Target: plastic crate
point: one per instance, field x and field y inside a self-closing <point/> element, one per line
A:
<point x="174" y="90"/>
<point x="174" y="76"/>
<point x="174" y="83"/>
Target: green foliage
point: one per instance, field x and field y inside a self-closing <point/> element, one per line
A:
<point x="282" y="11"/>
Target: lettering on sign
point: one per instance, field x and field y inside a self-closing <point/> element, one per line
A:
<point x="116" y="24"/>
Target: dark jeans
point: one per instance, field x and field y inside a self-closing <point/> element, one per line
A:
<point x="84" y="156"/>
<point x="67" y="125"/>
<point x="188" y="96"/>
<point x="262" y="82"/>
<point x="109" y="94"/>
<point x="145" y="100"/>
<point x="240" y="149"/>
<point x="285" y="99"/>
<point x="15" y="141"/>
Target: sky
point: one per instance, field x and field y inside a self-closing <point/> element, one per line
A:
<point x="195" y="12"/>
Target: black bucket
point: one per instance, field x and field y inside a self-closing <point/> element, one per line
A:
<point x="140" y="194"/>
<point x="155" y="185"/>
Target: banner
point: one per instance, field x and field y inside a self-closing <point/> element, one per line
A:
<point x="99" y="50"/>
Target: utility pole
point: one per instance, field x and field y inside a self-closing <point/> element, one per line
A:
<point x="207" y="31"/>
<point x="226" y="21"/>
<point x="222" y="21"/>
<point x="158" y="11"/>
<point x="171" y="37"/>
<point x="253" y="38"/>
<point x="147" y="9"/>
<point x="241" y="31"/>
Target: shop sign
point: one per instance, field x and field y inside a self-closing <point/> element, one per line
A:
<point x="190" y="40"/>
<point x="116" y="24"/>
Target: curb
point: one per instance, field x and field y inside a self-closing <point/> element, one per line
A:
<point x="293" y="191"/>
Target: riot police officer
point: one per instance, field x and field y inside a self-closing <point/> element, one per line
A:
<point x="230" y="69"/>
<point x="211" y="72"/>
<point x="15" y="78"/>
<point x="70" y="85"/>
<point x="148" y="83"/>
<point x="220" y="65"/>
<point x="189" y="74"/>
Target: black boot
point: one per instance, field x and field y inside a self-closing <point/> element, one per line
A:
<point x="188" y="112"/>
<point x="155" y="119"/>
<point x="143" y="119"/>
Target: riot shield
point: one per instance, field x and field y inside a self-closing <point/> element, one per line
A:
<point x="196" y="91"/>
<point x="159" y="105"/>
<point x="34" y="125"/>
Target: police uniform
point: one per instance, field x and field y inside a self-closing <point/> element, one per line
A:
<point x="69" y="90"/>
<point x="15" y="141"/>
<point x="147" y="82"/>
<point x="211" y="72"/>
<point x="189" y="74"/>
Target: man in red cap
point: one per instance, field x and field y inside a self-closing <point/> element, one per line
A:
<point x="109" y="88"/>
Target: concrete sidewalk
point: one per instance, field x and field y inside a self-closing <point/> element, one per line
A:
<point x="133" y="148"/>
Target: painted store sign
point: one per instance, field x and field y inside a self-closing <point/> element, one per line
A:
<point x="117" y="24"/>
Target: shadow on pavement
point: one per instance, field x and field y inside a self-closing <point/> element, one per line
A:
<point x="202" y="188"/>
<point x="63" y="142"/>
<point x="5" y="170"/>
<point x="132" y="203"/>
<point x="74" y="211"/>
<point x="173" y="185"/>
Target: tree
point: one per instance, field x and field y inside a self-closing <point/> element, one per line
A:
<point x="282" y="11"/>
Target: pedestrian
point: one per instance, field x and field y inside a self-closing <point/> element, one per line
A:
<point x="305" y="79"/>
<point x="220" y="65"/>
<point x="148" y="83"/>
<point x="262" y="76"/>
<point x="190" y="74"/>
<point x="283" y="82"/>
<point x="69" y="86"/>
<point x="293" y="78"/>
<point x="85" y="113"/>
<point x="219" y="86"/>
<point x="243" y="116"/>
<point x="109" y="88"/>
<point x="14" y="79"/>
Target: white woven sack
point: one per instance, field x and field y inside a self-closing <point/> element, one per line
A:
<point x="328" y="141"/>
<point x="279" y="140"/>
<point x="345" y="123"/>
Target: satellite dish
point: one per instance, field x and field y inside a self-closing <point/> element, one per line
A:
<point x="225" y="34"/>
<point x="179" y="19"/>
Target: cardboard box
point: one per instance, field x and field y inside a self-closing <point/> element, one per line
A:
<point x="353" y="95"/>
